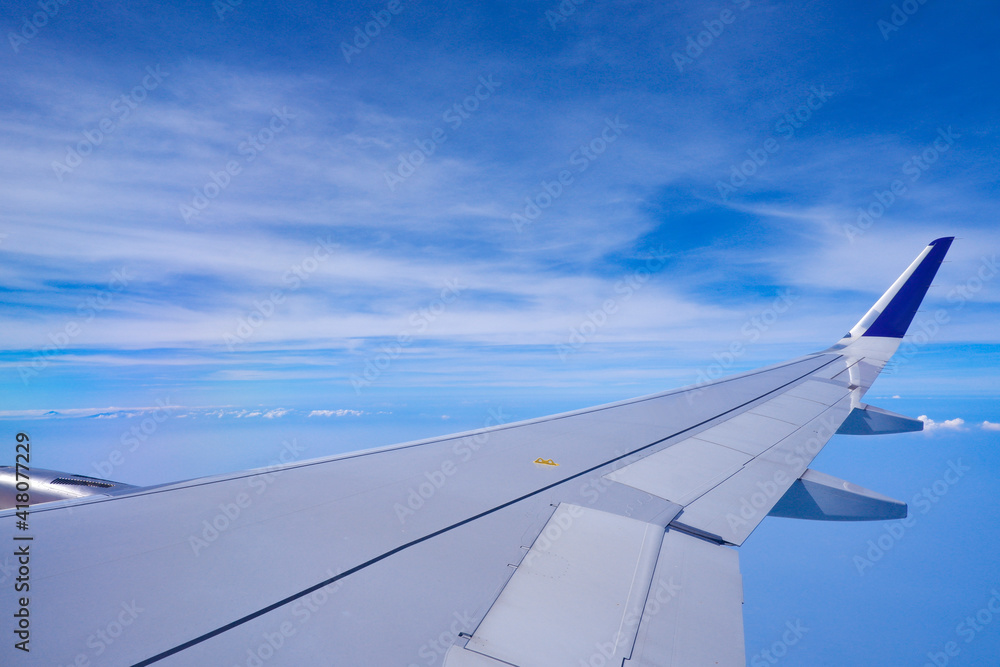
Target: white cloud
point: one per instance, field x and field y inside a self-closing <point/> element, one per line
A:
<point x="335" y="413"/>
<point x="171" y="410"/>
<point x="526" y="291"/>
<point x="990" y="426"/>
<point x="92" y="413"/>
<point x="957" y="424"/>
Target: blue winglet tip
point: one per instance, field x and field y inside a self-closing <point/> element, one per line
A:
<point x="896" y="317"/>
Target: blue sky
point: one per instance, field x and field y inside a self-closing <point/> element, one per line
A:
<point x="283" y="230"/>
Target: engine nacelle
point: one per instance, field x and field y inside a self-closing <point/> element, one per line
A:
<point x="45" y="486"/>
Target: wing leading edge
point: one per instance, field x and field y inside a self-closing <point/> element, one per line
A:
<point x="622" y="554"/>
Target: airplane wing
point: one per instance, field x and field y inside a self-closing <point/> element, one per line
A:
<point x="604" y="536"/>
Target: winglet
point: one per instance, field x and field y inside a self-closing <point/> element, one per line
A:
<point x="891" y="315"/>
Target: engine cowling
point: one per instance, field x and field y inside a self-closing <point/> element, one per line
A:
<point x="45" y="486"/>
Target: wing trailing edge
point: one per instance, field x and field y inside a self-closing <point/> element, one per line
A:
<point x="597" y="588"/>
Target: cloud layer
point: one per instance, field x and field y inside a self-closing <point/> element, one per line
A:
<point x="178" y="204"/>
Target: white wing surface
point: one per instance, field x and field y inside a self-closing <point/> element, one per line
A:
<point x="606" y="536"/>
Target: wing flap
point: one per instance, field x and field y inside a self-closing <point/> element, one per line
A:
<point x="682" y="472"/>
<point x="694" y="612"/>
<point x="789" y="408"/>
<point x="734" y="508"/>
<point x="576" y="594"/>
<point x="825" y="393"/>
<point x="729" y="476"/>
<point x="460" y="657"/>
<point x="749" y="433"/>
